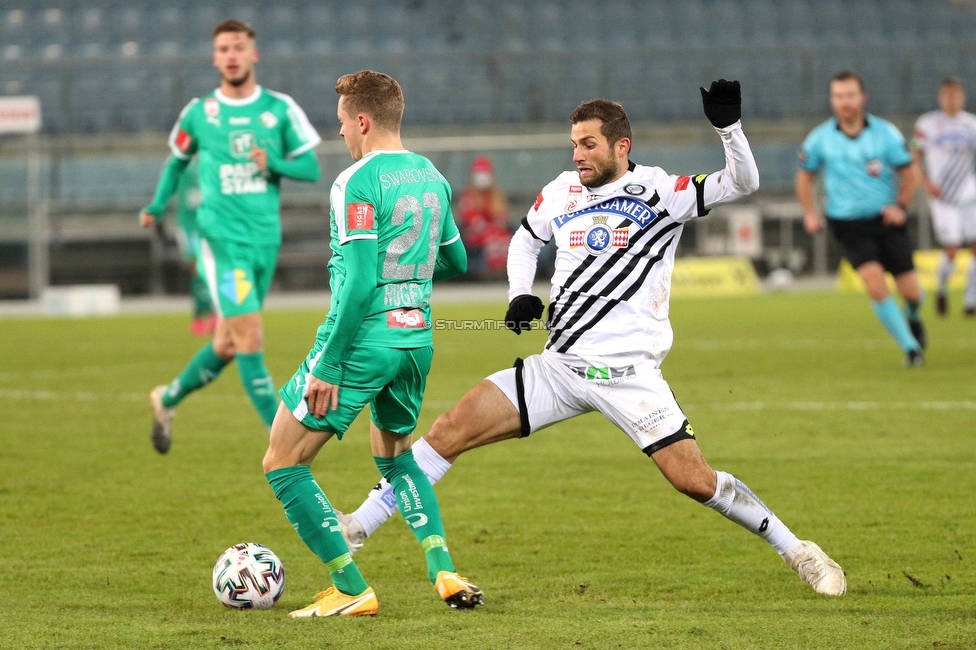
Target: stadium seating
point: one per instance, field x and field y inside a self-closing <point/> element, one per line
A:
<point x="504" y="61"/>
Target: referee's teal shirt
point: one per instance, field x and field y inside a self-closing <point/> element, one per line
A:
<point x="858" y="173"/>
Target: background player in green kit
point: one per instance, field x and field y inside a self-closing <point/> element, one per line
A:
<point x="188" y="238"/>
<point x="246" y="139"/>
<point x="392" y="235"/>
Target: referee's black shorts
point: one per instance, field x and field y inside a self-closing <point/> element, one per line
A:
<point x="871" y="240"/>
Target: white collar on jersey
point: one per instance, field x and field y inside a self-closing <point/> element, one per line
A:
<point x="230" y="101"/>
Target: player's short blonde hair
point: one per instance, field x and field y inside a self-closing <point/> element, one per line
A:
<point x="615" y="123"/>
<point x="375" y="94"/>
<point x="233" y="25"/>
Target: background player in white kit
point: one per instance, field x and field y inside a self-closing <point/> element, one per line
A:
<point x="945" y="142"/>
<point x="616" y="226"/>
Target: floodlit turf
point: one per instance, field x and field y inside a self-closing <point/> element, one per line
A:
<point x="575" y="538"/>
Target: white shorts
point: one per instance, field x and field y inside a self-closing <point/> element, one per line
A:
<point x="545" y="390"/>
<point x="954" y="225"/>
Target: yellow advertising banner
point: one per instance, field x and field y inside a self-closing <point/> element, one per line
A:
<point x="926" y="264"/>
<point x="713" y="276"/>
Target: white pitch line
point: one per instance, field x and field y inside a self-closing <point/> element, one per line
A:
<point x="85" y="396"/>
<point x="805" y="344"/>
<point x="964" y="405"/>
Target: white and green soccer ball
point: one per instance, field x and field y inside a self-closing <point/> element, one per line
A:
<point x="248" y="576"/>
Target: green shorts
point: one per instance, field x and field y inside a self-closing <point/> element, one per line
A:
<point x="390" y="380"/>
<point x="238" y="275"/>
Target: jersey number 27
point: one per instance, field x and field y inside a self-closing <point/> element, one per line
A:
<point x="392" y="268"/>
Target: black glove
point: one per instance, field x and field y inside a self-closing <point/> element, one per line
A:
<point x="723" y="103"/>
<point x="522" y="311"/>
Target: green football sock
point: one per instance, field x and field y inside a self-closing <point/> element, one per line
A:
<point x="313" y="518"/>
<point x="204" y="367"/>
<point x="201" y="297"/>
<point x="258" y="384"/>
<point x="416" y="500"/>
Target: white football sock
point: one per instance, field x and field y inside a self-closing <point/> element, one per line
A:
<point x="737" y="502"/>
<point x="969" y="298"/>
<point x="381" y="504"/>
<point x="944" y="272"/>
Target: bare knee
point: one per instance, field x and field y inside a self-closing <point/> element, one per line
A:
<point x="700" y="486"/>
<point x="445" y="434"/>
<point x="685" y="468"/>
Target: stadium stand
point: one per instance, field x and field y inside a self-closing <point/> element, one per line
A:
<point x="71" y="55"/>
<point x="112" y="75"/>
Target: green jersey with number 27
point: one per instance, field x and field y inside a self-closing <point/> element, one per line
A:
<point x="239" y="202"/>
<point x="401" y="200"/>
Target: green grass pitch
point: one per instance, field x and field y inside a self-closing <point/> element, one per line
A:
<point x="574" y="536"/>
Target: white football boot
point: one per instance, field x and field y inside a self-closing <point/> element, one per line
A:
<point x="352" y="531"/>
<point x="815" y="567"/>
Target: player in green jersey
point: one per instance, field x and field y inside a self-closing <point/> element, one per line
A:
<point x="188" y="237"/>
<point x="246" y="139"/>
<point x="392" y="235"/>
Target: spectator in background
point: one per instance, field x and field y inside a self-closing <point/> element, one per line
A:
<point x="484" y="220"/>
<point x="945" y="141"/>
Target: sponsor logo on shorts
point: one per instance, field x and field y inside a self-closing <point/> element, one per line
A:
<point x="236" y="286"/>
<point x="651" y="420"/>
<point x="359" y="216"/>
<point x="405" y="318"/>
<point x="604" y="375"/>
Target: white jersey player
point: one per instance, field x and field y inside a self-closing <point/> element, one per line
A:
<point x="616" y="227"/>
<point x="945" y="151"/>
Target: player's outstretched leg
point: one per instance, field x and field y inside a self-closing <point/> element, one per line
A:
<point x="203" y="368"/>
<point x="684" y="466"/>
<point x="381" y="504"/>
<point x="482" y="416"/>
<point x="738" y="503"/>
<point x="416" y="501"/>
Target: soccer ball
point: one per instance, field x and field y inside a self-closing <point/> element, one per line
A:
<point x="248" y="576"/>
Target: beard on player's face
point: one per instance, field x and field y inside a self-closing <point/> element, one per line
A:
<point x="239" y="80"/>
<point x="601" y="171"/>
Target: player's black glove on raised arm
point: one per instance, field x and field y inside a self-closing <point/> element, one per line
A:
<point x="723" y="103"/>
<point x="522" y="311"/>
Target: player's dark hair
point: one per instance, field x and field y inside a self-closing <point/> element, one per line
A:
<point x="233" y="25"/>
<point x="375" y="94"/>
<point x="616" y="124"/>
<point x="847" y="75"/>
<point x="948" y="82"/>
